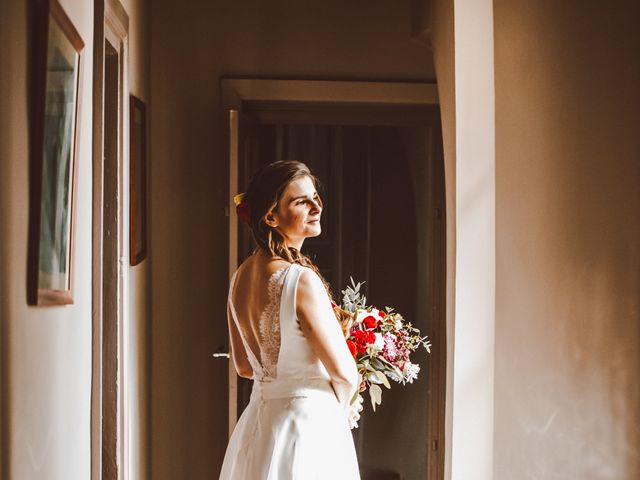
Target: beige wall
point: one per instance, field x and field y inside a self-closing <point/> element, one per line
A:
<point x="7" y="59"/>
<point x="191" y="49"/>
<point x="567" y="403"/>
<point x="46" y="352"/>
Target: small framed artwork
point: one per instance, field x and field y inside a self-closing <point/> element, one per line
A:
<point x="138" y="181"/>
<point x="54" y="156"/>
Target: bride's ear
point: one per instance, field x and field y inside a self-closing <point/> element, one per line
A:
<point x="270" y="219"/>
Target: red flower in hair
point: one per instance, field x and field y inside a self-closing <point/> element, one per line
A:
<point x="243" y="209"/>
<point x="244" y="212"/>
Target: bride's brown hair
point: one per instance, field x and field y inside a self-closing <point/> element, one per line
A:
<point x="263" y="194"/>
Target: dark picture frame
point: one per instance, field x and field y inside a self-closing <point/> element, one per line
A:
<point x="55" y="134"/>
<point x="137" y="180"/>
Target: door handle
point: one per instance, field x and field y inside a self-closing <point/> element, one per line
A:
<point x="222" y="352"/>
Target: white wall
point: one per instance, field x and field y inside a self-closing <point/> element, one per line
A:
<point x="139" y="329"/>
<point x="46" y="352"/>
<point x="473" y="350"/>
<point x="462" y="39"/>
<point x="568" y="240"/>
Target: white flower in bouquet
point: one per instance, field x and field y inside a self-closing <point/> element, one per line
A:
<point x="379" y="343"/>
<point x="393" y="375"/>
<point x="410" y="371"/>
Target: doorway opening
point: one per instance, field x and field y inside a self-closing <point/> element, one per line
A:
<point x="382" y="171"/>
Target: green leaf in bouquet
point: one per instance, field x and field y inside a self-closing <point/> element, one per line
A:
<point x="383" y="378"/>
<point x="375" y="392"/>
<point x="378" y="377"/>
<point x="369" y="367"/>
<point x="377" y="363"/>
<point x="387" y="363"/>
<point x="391" y="368"/>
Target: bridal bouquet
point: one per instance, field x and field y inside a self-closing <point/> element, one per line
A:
<point x="381" y="342"/>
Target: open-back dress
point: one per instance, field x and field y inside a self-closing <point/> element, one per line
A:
<point x="294" y="427"/>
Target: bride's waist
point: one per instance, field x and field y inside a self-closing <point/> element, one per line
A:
<point x="271" y="389"/>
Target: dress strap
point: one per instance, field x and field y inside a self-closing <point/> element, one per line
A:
<point x="289" y="290"/>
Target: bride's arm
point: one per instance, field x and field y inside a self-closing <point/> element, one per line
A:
<point x="319" y="325"/>
<point x="238" y="353"/>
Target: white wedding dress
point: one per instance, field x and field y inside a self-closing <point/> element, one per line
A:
<point x="293" y="427"/>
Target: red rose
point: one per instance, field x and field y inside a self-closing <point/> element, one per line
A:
<point x="363" y="339"/>
<point x="352" y="348"/>
<point x="382" y="314"/>
<point x="371" y="337"/>
<point x="370" y="322"/>
<point x="360" y="336"/>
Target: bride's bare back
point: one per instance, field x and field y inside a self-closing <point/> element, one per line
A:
<point x="256" y="298"/>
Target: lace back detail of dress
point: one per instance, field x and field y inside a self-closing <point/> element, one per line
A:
<point x="270" y="325"/>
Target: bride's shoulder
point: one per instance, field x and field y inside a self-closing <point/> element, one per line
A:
<point x="308" y="278"/>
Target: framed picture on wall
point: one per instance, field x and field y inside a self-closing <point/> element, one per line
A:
<point x="57" y="70"/>
<point x="138" y="181"/>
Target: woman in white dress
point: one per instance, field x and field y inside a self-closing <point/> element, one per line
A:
<point x="285" y="336"/>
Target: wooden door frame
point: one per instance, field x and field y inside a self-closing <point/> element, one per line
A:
<point x="234" y="92"/>
<point x="111" y="23"/>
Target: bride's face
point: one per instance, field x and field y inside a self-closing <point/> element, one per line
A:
<point x="297" y="215"/>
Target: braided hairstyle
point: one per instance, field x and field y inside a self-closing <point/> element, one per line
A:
<point x="263" y="194"/>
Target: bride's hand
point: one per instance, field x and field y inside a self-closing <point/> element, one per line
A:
<point x="353" y="413"/>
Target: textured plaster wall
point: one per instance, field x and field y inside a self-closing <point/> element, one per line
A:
<point x="567" y="399"/>
<point x="46" y="352"/>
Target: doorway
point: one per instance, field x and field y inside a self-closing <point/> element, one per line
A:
<point x="382" y="172"/>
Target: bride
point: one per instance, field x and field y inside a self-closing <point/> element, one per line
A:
<point x="284" y="335"/>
